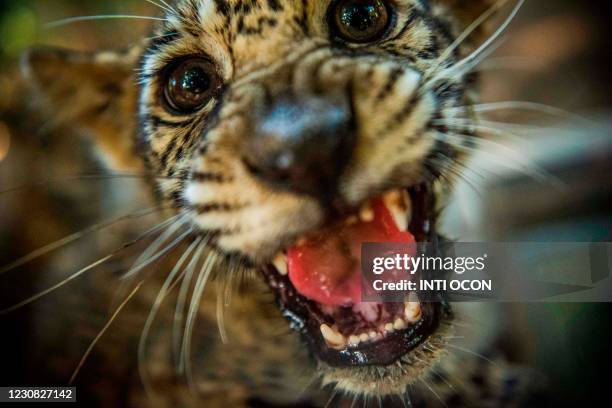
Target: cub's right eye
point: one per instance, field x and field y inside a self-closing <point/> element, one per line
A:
<point x="190" y="84"/>
<point x="360" y="21"/>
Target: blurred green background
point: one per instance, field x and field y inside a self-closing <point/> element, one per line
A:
<point x="22" y="24"/>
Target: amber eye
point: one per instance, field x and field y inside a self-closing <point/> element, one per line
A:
<point x="190" y="84"/>
<point x="360" y="21"/>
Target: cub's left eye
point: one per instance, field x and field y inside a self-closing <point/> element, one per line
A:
<point x="360" y="21"/>
<point x="190" y="84"/>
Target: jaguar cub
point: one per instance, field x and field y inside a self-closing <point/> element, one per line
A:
<point x="281" y="134"/>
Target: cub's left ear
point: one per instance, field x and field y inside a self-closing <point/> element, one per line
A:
<point x="93" y="92"/>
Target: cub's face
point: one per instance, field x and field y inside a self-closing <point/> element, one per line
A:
<point x="288" y="133"/>
<point x="284" y="116"/>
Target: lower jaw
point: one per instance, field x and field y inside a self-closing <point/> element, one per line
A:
<point x="388" y="346"/>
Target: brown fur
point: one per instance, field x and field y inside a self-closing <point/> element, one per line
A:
<point x="261" y="49"/>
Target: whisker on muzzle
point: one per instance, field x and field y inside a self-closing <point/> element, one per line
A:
<point x="153" y="252"/>
<point x="102" y="331"/>
<point x="169" y="283"/>
<point x="198" y="291"/>
<point x="76" y="236"/>
<point x="83" y="270"/>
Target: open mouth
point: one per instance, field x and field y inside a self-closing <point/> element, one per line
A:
<point x="317" y="283"/>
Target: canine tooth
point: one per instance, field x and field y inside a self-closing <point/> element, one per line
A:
<point x="366" y="214"/>
<point x="372" y="335"/>
<point x="412" y="311"/>
<point x="354" y="340"/>
<point x="399" y="324"/>
<point x="389" y="327"/>
<point x="398" y="204"/>
<point x="280" y="263"/>
<point x="364" y="337"/>
<point x="332" y="337"/>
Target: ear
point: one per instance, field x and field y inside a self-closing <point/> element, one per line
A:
<point x="93" y="92"/>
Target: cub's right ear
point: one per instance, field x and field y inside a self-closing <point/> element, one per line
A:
<point x="95" y="92"/>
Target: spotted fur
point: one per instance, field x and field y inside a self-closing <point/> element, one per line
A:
<point x="262" y="50"/>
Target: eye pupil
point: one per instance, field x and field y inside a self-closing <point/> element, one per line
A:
<point x="361" y="20"/>
<point x="190" y="85"/>
<point x="194" y="82"/>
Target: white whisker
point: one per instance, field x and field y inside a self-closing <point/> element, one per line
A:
<point x="506" y="131"/>
<point x="180" y="304"/>
<point x="234" y="272"/>
<point x="331" y="398"/>
<point x="80" y="272"/>
<point x="198" y="291"/>
<point x="71" y="20"/>
<point x="464" y="35"/>
<point x="221" y="312"/>
<point x="457" y="73"/>
<point x="473" y="353"/>
<point x="460" y="169"/>
<point x="517" y="160"/>
<point x="224" y="296"/>
<point x="147" y="255"/>
<point x="101" y="333"/>
<point x="160" y="6"/>
<point x="485" y="45"/>
<point x="141" y="70"/>
<point x="476" y="124"/>
<point x="169" y="282"/>
<point x="161" y="253"/>
<point x="165" y="3"/>
<point x="74" y="237"/>
<point x="526" y="106"/>
<point x="142" y="259"/>
<point x="433" y="392"/>
<point x="452" y="73"/>
<point x="57" y="285"/>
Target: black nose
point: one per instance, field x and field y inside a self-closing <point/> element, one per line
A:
<point x="302" y="145"/>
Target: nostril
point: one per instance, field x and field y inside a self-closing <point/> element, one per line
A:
<point x="301" y="145"/>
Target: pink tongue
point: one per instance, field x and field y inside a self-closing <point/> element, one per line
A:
<point x="326" y="268"/>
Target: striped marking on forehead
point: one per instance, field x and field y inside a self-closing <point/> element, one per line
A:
<point x="211" y="11"/>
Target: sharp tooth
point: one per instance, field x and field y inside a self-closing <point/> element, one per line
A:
<point x="280" y="263"/>
<point x="364" y="337"/>
<point x="333" y="338"/>
<point x="372" y="335"/>
<point x="398" y="204"/>
<point x="412" y="311"/>
<point x="366" y="214"/>
<point x="399" y="324"/>
<point x="389" y="327"/>
<point x="354" y="340"/>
